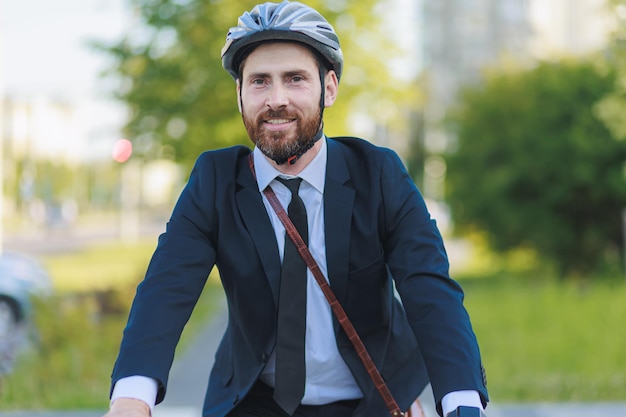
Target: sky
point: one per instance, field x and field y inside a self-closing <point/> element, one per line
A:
<point x="44" y="44"/>
<point x="45" y="55"/>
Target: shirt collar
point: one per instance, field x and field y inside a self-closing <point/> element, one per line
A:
<point x="314" y="173"/>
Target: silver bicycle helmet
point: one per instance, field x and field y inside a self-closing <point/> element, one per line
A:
<point x="288" y="21"/>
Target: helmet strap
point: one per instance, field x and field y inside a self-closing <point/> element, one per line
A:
<point x="294" y="158"/>
<point x="323" y="85"/>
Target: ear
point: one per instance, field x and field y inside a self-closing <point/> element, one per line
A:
<point x="239" y="95"/>
<point x="332" y="88"/>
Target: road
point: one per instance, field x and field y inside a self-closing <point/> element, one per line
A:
<point x="39" y="242"/>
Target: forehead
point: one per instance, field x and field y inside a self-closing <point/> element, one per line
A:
<point x="280" y="57"/>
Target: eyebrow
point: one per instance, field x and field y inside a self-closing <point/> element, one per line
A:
<point x="285" y="74"/>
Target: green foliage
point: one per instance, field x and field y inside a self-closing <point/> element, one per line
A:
<point x="181" y="100"/>
<point x="73" y="352"/>
<point x="613" y="107"/>
<point x="535" y="168"/>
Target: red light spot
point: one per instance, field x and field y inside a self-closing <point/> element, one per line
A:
<point x="122" y="150"/>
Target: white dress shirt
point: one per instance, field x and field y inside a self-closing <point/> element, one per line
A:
<point x="328" y="378"/>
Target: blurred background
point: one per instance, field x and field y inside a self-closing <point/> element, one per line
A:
<point x="509" y="115"/>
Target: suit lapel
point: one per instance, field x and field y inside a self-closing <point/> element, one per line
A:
<point x="338" y="204"/>
<point x="255" y="217"/>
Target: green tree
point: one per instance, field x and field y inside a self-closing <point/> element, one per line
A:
<point x="611" y="109"/>
<point x="534" y="167"/>
<point x="182" y="102"/>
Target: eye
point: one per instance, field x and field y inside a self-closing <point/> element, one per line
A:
<point x="297" y="79"/>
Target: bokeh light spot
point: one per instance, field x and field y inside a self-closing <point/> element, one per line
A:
<point x="122" y="150"/>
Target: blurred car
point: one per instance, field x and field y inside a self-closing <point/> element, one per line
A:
<point x="21" y="278"/>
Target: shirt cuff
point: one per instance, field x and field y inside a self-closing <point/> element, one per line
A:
<point x="453" y="400"/>
<point x="138" y="387"/>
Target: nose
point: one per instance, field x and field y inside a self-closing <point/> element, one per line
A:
<point x="277" y="96"/>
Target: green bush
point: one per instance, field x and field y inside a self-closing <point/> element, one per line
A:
<point x="535" y="168"/>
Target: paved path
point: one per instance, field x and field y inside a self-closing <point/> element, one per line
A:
<point x="190" y="373"/>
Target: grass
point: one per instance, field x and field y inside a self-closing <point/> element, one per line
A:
<point x="548" y="341"/>
<point x="541" y="339"/>
<point x="100" y="267"/>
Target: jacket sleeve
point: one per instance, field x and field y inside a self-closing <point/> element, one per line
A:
<point x="174" y="280"/>
<point x="432" y="300"/>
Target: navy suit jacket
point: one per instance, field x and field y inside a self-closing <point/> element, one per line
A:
<point x="378" y="232"/>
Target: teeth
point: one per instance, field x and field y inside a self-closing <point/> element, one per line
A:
<point x="278" y="121"/>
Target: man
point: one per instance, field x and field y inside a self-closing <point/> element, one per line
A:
<point x="366" y="225"/>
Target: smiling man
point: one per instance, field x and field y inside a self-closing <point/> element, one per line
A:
<point x="367" y="227"/>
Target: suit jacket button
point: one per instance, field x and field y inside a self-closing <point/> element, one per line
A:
<point x="264" y="357"/>
<point x="236" y="400"/>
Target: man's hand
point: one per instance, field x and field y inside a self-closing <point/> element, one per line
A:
<point x="128" y="407"/>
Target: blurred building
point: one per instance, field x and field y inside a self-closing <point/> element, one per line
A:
<point x="461" y="37"/>
<point x="568" y="27"/>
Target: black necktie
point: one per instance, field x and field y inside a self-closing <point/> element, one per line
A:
<point x="291" y="325"/>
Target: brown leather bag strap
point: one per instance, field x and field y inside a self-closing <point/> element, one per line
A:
<point x="335" y="306"/>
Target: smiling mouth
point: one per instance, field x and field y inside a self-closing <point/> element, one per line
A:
<point x="278" y="121"/>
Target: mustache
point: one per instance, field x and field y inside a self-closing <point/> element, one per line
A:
<point x="276" y="114"/>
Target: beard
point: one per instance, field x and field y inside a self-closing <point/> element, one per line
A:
<point x="279" y="146"/>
